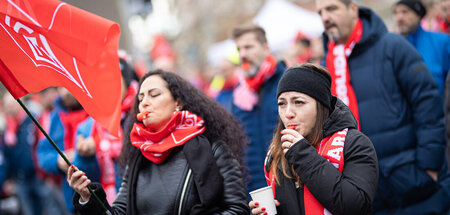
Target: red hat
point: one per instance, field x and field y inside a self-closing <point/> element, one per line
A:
<point x="161" y="48"/>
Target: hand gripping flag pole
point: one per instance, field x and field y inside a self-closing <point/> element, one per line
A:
<point x="106" y="208"/>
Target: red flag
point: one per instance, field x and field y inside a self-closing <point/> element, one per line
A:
<point x="47" y="43"/>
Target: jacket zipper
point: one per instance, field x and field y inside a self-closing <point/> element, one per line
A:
<point x="183" y="192"/>
<point x="186" y="181"/>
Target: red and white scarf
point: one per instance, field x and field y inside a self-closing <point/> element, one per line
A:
<point x="245" y="96"/>
<point x="70" y="121"/>
<point x="128" y="99"/>
<point x="337" y="64"/>
<point x="108" y="149"/>
<point x="156" y="146"/>
<point x="331" y="148"/>
<point x="13" y="123"/>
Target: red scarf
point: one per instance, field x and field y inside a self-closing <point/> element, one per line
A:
<point x="270" y="177"/>
<point x="128" y="99"/>
<point x="443" y="25"/>
<point x="13" y="123"/>
<point x="337" y="63"/>
<point x="331" y="148"/>
<point x="245" y="95"/>
<point x="231" y="82"/>
<point x="70" y="122"/>
<point x="265" y="71"/>
<point x="305" y="56"/>
<point x="156" y="146"/>
<point x="108" y="149"/>
<point x="44" y="120"/>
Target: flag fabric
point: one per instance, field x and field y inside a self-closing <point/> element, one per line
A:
<point x="47" y="43"/>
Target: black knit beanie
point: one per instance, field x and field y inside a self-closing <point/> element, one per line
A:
<point x="415" y="5"/>
<point x="307" y="81"/>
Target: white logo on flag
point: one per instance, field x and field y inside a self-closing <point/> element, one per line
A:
<point x="43" y="55"/>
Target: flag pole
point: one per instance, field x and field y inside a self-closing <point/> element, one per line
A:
<point x="60" y="152"/>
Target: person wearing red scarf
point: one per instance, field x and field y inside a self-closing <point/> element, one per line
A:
<point x="181" y="152"/>
<point x="97" y="150"/>
<point x="318" y="162"/>
<point x="391" y="92"/>
<point x="223" y="83"/>
<point x="64" y="120"/>
<point x="254" y="101"/>
<point x="444" y="16"/>
<point x="17" y="144"/>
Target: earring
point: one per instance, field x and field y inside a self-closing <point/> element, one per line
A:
<point x="177" y="109"/>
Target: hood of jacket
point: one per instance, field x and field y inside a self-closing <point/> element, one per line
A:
<point x="373" y="29"/>
<point x="340" y="118"/>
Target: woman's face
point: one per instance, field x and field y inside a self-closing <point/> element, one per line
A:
<point x="155" y="98"/>
<point x="299" y="110"/>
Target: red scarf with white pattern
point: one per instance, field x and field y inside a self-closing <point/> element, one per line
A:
<point x="332" y="149"/>
<point x="156" y="146"/>
<point x="337" y="64"/>
<point x="108" y="149"/>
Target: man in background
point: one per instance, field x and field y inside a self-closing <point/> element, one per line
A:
<point x="254" y="99"/>
<point x="392" y="94"/>
<point x="433" y="47"/>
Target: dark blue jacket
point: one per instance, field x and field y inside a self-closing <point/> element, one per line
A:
<point x="47" y="154"/>
<point x="19" y="157"/>
<point x="435" y="50"/>
<point x="90" y="165"/>
<point x="3" y="166"/>
<point x="401" y="112"/>
<point x="259" y="125"/>
<point x="225" y="98"/>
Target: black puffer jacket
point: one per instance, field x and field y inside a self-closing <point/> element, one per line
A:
<point x="349" y="192"/>
<point x="170" y="187"/>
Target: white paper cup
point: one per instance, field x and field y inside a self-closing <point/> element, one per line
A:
<point x="264" y="196"/>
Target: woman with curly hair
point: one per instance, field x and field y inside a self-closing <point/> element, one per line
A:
<point x="182" y="154"/>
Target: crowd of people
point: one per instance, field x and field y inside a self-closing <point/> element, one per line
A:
<point x="359" y="125"/>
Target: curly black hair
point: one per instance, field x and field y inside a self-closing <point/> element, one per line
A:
<point x="220" y="124"/>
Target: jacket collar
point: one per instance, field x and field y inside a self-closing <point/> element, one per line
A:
<point x="373" y="29"/>
<point x="340" y="117"/>
<point x="413" y="37"/>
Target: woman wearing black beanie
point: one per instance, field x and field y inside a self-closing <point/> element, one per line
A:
<point x="318" y="162"/>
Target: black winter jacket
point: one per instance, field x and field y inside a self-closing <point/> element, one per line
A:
<point x="170" y="187"/>
<point x="349" y="192"/>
